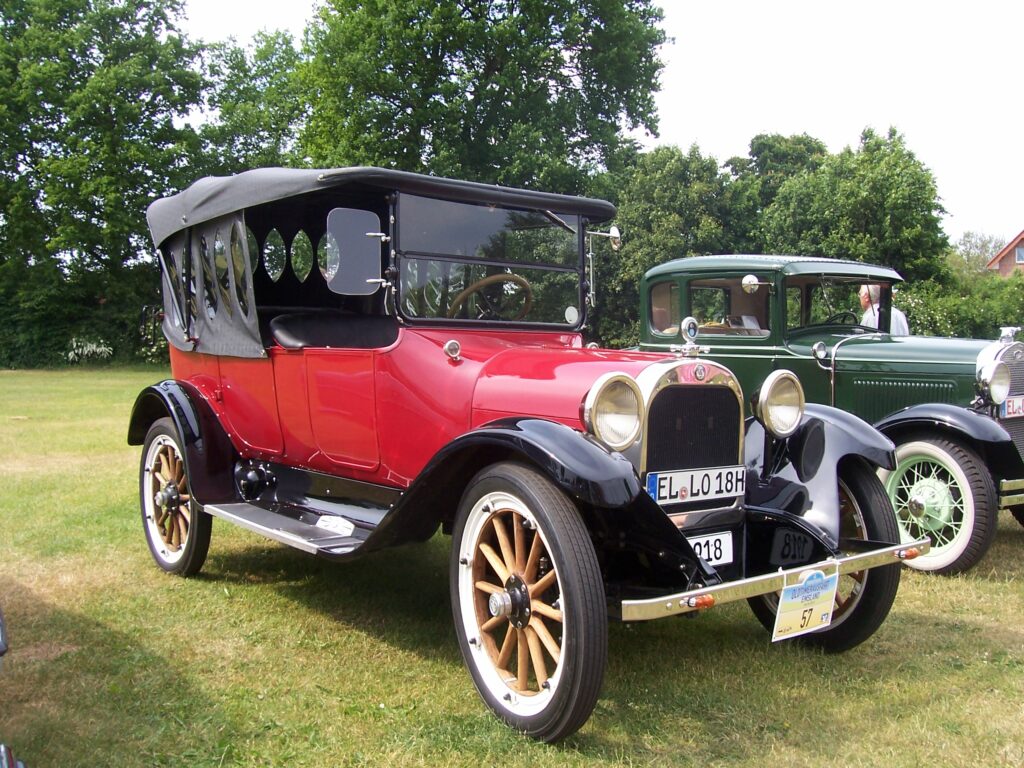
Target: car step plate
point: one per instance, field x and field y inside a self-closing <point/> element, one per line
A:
<point x="325" y="539"/>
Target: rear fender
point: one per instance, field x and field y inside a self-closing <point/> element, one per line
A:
<point x="810" y="458"/>
<point x="208" y="453"/>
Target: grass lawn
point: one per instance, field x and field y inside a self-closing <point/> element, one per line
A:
<point x="272" y="657"/>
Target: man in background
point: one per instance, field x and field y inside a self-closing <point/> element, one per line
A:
<point x="869" y="295"/>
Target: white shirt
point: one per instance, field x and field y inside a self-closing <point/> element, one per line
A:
<point x="898" y="325"/>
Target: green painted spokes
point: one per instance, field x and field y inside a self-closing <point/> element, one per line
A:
<point x="928" y="499"/>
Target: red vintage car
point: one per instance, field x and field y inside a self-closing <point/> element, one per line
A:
<point x="362" y="356"/>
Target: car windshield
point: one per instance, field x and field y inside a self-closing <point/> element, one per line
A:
<point x="813" y="300"/>
<point x="460" y="261"/>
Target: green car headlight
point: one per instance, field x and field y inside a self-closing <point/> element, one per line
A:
<point x="780" y="404"/>
<point x="994" y="381"/>
<point x="613" y="410"/>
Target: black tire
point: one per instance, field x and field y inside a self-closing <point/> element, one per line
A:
<point x="543" y="556"/>
<point x="863" y="599"/>
<point x="177" y="530"/>
<point x="1018" y="513"/>
<point x="940" y="488"/>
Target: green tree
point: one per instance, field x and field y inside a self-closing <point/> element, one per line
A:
<point x="772" y="160"/>
<point x="673" y="204"/>
<point x="969" y="258"/>
<point x="878" y="203"/>
<point x="524" y="93"/>
<point x="775" y="158"/>
<point x="91" y="91"/>
<point x="256" y="105"/>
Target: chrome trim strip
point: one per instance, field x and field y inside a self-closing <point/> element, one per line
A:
<point x="835" y="360"/>
<point x="679" y="602"/>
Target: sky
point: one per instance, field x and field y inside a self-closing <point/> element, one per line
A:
<point x="946" y="75"/>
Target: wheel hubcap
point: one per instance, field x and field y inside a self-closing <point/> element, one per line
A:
<point x="931" y="504"/>
<point x="513" y="603"/>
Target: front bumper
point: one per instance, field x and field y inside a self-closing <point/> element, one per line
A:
<point x="706" y="597"/>
<point x="1011" y="493"/>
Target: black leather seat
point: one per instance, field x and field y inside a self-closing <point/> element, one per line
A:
<point x="333" y="329"/>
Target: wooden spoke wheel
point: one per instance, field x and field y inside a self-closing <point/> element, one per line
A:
<point x="177" y="530"/>
<point x="528" y="602"/>
<point x="863" y="598"/>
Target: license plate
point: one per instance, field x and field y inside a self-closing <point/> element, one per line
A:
<point x="1012" y="407"/>
<point x="806" y="602"/>
<point x="696" y="484"/>
<point x="790" y="548"/>
<point x="715" y="548"/>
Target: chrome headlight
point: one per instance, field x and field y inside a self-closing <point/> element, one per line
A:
<point x="994" y="381"/>
<point x="780" y="403"/>
<point x="613" y="410"/>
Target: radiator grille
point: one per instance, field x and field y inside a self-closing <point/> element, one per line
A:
<point x="1014" y="360"/>
<point x="693" y="426"/>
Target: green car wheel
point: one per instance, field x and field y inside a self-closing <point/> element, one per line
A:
<point x="940" y="488"/>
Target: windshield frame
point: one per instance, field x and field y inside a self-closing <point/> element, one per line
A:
<point x="557" y="220"/>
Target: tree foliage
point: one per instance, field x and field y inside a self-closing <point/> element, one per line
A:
<point x="970" y="256"/>
<point x="91" y="91"/>
<point x="522" y="93"/>
<point x="877" y="203"/>
<point x="673" y="204"/>
<point x="256" y="105"/>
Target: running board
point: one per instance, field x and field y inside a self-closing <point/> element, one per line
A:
<point x="328" y="535"/>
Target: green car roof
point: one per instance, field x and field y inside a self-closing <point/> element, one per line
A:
<point x="789" y="265"/>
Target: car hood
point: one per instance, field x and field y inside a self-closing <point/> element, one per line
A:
<point x="896" y="352"/>
<point x="552" y="383"/>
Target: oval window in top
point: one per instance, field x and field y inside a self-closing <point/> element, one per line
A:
<point x="302" y="256"/>
<point x="188" y="284"/>
<point x="329" y="257"/>
<point x="220" y="261"/>
<point x="254" y="249"/>
<point x="209" y="286"/>
<point x="238" y="269"/>
<point x="274" y="255"/>
<point x="174" y="280"/>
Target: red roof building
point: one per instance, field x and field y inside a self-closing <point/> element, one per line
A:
<point x="1010" y="258"/>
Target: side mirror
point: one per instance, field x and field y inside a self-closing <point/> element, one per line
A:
<point x="356" y="236"/>
<point x="615" y="238"/>
<point x="751" y="284"/>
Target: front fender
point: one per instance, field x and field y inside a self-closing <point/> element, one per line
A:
<point x="208" y="453"/>
<point x="621" y="517"/>
<point x="586" y="471"/>
<point x="583" y="468"/>
<point x="978" y="427"/>
<point x="810" y="458"/>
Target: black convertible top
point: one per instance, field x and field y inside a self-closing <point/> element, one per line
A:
<point x="215" y="196"/>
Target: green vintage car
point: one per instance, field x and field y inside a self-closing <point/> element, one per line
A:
<point x="953" y="407"/>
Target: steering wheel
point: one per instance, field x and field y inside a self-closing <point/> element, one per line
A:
<point x="490" y="311"/>
<point x="838" y="317"/>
